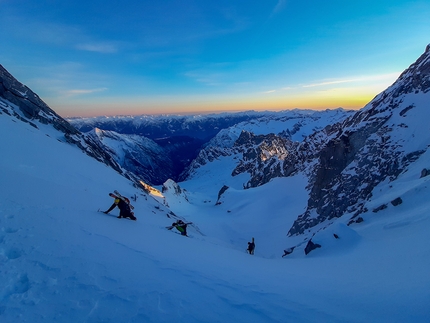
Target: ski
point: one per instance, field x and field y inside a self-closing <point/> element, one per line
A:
<point x="117" y="194"/>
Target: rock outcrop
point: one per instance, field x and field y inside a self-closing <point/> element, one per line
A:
<point x="21" y="103"/>
<point x="375" y="144"/>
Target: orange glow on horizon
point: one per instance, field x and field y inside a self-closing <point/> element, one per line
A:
<point x="215" y="106"/>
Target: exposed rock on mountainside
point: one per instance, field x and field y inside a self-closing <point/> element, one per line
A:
<point x="139" y="155"/>
<point x="18" y="101"/>
<point x="374" y="145"/>
<point x="345" y="160"/>
<point x="264" y="144"/>
<point x="171" y="188"/>
<point x="30" y="106"/>
<point x="262" y="157"/>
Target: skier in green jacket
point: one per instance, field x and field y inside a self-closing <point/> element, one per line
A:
<point x="181" y="226"/>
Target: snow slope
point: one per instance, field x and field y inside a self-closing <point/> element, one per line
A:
<point x="62" y="261"/>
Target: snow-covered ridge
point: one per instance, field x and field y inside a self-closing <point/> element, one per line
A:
<point x="378" y="143"/>
<point x="18" y="102"/>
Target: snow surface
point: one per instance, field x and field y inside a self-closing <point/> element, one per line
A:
<point x="62" y="261"/>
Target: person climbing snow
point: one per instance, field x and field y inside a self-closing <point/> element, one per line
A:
<point x="181" y="226"/>
<point x="124" y="206"/>
<point x="251" y="247"/>
<point x="288" y="251"/>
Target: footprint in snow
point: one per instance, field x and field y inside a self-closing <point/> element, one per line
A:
<point x="11" y="230"/>
<point x="13" y="253"/>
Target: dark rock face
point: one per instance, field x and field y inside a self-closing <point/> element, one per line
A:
<point x="220" y="193"/>
<point x="344" y="161"/>
<point x="363" y="152"/>
<point x="246" y="147"/>
<point x="380" y="208"/>
<point x="311" y="246"/>
<point x="139" y="155"/>
<point x="259" y="155"/>
<point x="262" y="157"/>
<point x="29" y="104"/>
<point x="288" y="251"/>
<point x="397" y="201"/>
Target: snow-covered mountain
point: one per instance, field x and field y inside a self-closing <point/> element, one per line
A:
<point x="272" y="135"/>
<point x="185" y="145"/>
<point x="147" y="160"/>
<point x="21" y="103"/>
<point x="182" y="137"/>
<point x="62" y="261"/>
<point x="373" y="146"/>
<point x="344" y="160"/>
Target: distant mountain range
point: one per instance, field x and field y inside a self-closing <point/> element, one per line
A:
<point x="173" y="143"/>
<point x="159" y="127"/>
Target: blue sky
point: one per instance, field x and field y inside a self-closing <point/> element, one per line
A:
<point x="143" y="57"/>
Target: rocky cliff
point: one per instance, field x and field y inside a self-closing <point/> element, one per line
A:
<point x="346" y="161"/>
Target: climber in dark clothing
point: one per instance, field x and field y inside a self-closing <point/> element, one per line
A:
<point x="124" y="207"/>
<point x="251" y="247"/>
<point x="181" y="226"/>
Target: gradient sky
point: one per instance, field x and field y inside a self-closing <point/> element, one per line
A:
<point x="111" y="57"/>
